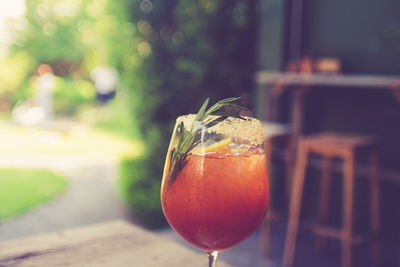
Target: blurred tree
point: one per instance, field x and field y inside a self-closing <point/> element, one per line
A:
<point x="73" y="37"/>
<point x="191" y="50"/>
<point x="48" y="31"/>
<point x="187" y="50"/>
<point x="13" y="72"/>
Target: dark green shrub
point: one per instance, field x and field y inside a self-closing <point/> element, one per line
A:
<point x="188" y="50"/>
<point x="142" y="195"/>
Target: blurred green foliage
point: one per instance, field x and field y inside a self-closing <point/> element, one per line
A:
<point x="72" y="94"/>
<point x="13" y="71"/>
<point x="140" y="192"/>
<point x="187" y="50"/>
<point x="72" y="37"/>
<point x="113" y="117"/>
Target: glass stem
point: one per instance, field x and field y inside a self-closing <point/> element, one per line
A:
<point x="212" y="257"/>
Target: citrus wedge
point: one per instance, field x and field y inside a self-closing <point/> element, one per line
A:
<point x="214" y="147"/>
<point x="218" y="145"/>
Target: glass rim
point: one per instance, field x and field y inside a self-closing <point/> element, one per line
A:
<point x="248" y="129"/>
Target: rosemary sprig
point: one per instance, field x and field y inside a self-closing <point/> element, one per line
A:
<point x="188" y="139"/>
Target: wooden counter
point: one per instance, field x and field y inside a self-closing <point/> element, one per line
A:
<point x="115" y="243"/>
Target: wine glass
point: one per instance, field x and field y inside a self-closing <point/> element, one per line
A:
<point x="214" y="191"/>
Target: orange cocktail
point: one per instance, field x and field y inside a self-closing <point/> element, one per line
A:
<point x="218" y="199"/>
<point x="214" y="190"/>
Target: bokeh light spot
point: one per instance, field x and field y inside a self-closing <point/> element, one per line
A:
<point x="177" y="37"/>
<point x="146" y="6"/>
<point x="49" y="29"/>
<point x="129" y="28"/>
<point x="43" y="10"/>
<point x="144" y="49"/>
<point x="144" y="27"/>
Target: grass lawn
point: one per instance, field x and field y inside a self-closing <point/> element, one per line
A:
<point x="21" y="189"/>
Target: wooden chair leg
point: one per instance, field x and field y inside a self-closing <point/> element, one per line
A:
<point x="375" y="203"/>
<point x="290" y="158"/>
<point x="265" y="234"/>
<point x="324" y="198"/>
<point x="348" y="203"/>
<point x="295" y="206"/>
<point x="266" y="226"/>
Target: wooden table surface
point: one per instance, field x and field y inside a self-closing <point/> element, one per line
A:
<point x="115" y="243"/>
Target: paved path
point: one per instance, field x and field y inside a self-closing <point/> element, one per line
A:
<point x="90" y="197"/>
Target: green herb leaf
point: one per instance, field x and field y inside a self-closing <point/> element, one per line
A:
<point x="187" y="140"/>
<point x="202" y="110"/>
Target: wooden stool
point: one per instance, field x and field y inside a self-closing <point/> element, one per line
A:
<point x="344" y="147"/>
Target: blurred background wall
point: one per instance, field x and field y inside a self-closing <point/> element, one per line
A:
<point x="365" y="37"/>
